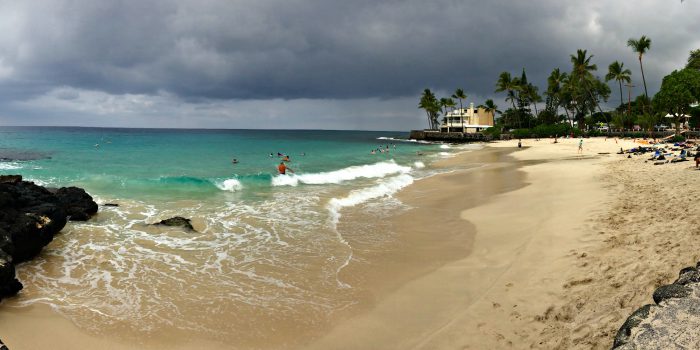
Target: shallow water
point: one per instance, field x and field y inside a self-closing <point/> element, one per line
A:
<point x="267" y="252"/>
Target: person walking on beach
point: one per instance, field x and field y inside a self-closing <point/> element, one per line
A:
<point x="580" y="146"/>
<point x="520" y="144"/>
<point x="282" y="168"/>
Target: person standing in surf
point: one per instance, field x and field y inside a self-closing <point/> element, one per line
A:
<point x="282" y="168"/>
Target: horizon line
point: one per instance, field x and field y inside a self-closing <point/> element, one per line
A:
<point x="184" y="128"/>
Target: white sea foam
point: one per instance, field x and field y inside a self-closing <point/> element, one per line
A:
<point x="10" y="166"/>
<point x="419" y="165"/>
<point x="384" y="188"/>
<point x="403" y="140"/>
<point x="231" y="185"/>
<point x="376" y="170"/>
<point x="445" y="146"/>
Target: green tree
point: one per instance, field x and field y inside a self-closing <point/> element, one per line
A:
<point x="694" y="60"/>
<point x="647" y="121"/>
<point x="641" y="47"/>
<point x="459" y="94"/>
<point x="554" y="89"/>
<point x="490" y="107"/>
<point x="509" y="85"/>
<point x="532" y="94"/>
<point x="447" y="104"/>
<point x="505" y="83"/>
<point x="617" y="72"/>
<point x="429" y="103"/>
<point x="590" y="88"/>
<point x="678" y="91"/>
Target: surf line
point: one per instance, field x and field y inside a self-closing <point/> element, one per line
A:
<point x="385" y="188"/>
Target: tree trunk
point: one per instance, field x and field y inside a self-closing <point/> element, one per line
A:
<point x="621" y="101"/>
<point x="641" y="67"/>
<point x="535" y="103"/>
<point x="568" y="117"/>
<point x="512" y="101"/>
<point x="461" y="116"/>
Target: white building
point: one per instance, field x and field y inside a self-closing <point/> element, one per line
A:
<point x="469" y="120"/>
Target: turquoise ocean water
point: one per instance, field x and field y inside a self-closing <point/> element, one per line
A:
<point x="166" y="164"/>
<point x="269" y="250"/>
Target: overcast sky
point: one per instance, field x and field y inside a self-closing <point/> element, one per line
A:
<point x="354" y="64"/>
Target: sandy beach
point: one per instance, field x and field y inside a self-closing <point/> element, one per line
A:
<point x="539" y="247"/>
<point x="559" y="263"/>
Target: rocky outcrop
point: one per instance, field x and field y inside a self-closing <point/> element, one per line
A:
<point x="30" y="216"/>
<point x="670" y="324"/>
<point x="177" y="221"/>
<point x="78" y="205"/>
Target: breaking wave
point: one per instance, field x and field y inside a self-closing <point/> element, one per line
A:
<point x="376" y="170"/>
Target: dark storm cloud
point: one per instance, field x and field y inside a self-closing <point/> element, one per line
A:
<point x="198" y="51"/>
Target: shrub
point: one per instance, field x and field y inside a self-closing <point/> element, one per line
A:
<point x="677" y="138"/>
<point x="494" y="132"/>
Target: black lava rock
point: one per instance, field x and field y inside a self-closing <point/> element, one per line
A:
<point x="30" y="216"/>
<point x="688" y="275"/>
<point x="634" y="320"/>
<point x="177" y="221"/>
<point x="78" y="205"/>
<point x="10" y="178"/>
<point x="671" y="291"/>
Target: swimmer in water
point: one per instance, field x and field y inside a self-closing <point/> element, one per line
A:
<point x="282" y="168"/>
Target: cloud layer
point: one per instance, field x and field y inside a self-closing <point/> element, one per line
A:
<point x="302" y="62"/>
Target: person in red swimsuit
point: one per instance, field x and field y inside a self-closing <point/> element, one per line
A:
<point x="282" y="168"/>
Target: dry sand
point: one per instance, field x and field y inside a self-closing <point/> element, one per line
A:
<point x="550" y="250"/>
<point x="559" y="263"/>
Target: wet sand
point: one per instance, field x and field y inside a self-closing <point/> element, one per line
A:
<point x="522" y="282"/>
<point x="541" y="250"/>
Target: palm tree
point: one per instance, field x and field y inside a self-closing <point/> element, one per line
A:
<point x="641" y="47"/>
<point x="617" y="72"/>
<point x="506" y="83"/>
<point x="555" y="83"/>
<point x="447" y="103"/>
<point x="532" y="95"/>
<point x="428" y="103"/>
<point x="459" y="94"/>
<point x="490" y="107"/>
<point x="582" y="73"/>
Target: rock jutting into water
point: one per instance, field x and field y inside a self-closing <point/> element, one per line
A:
<point x="30" y="216"/>
<point x="670" y="324"/>
<point x="177" y="221"/>
<point x="78" y="205"/>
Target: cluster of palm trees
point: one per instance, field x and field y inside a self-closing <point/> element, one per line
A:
<point x="577" y="92"/>
<point x="521" y="92"/>
<point x="435" y="107"/>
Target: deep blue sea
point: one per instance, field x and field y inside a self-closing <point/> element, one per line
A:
<point x="268" y="251"/>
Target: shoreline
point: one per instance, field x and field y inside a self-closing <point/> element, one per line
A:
<point x="518" y="267"/>
<point x="510" y="264"/>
